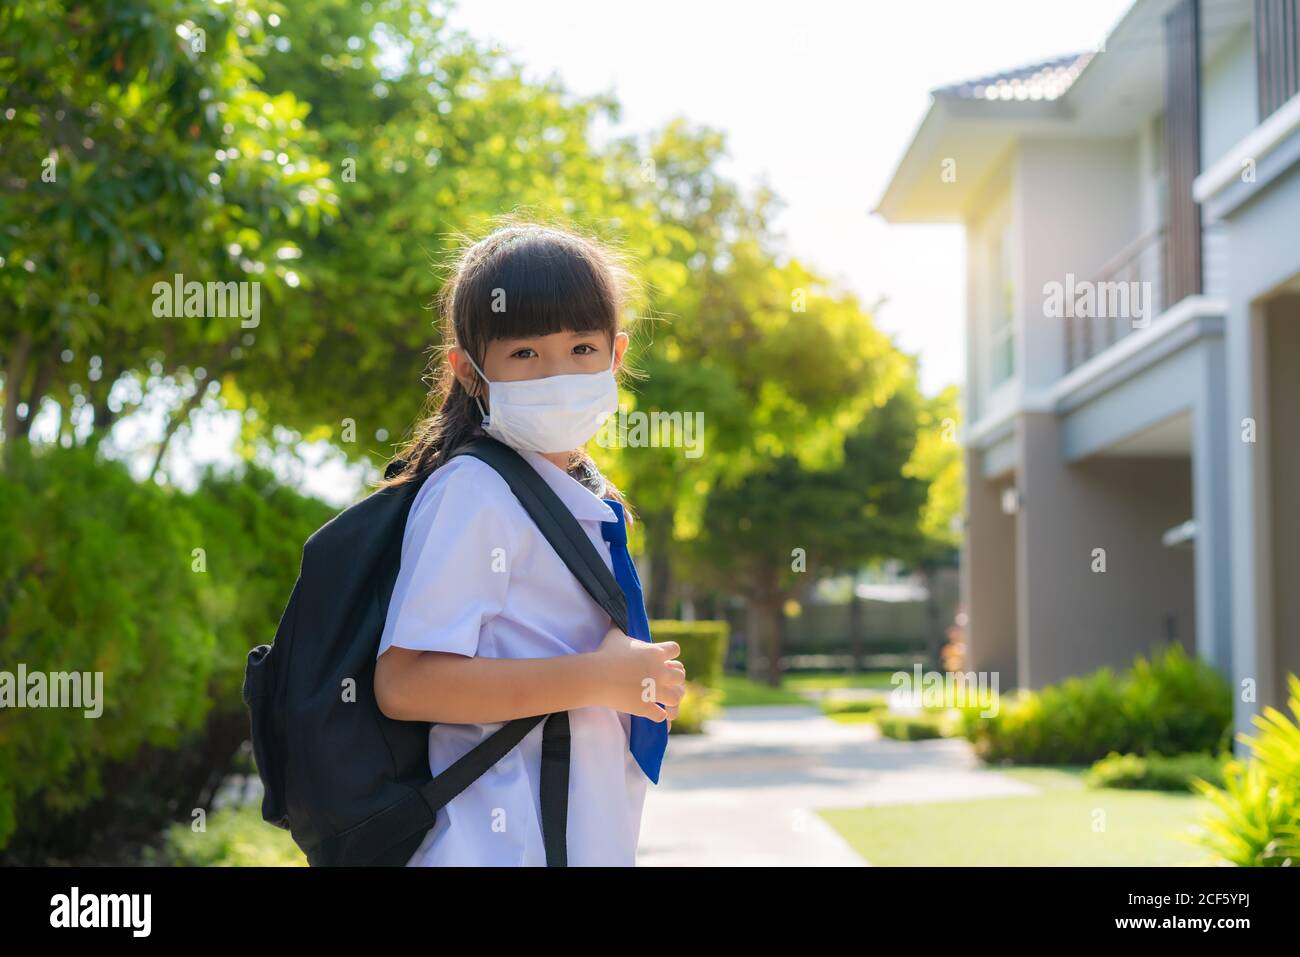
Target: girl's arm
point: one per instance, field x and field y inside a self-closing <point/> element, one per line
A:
<point x="624" y="674"/>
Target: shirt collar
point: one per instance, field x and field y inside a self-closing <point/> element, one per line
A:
<point x="579" y="500"/>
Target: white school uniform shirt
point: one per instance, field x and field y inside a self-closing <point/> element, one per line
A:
<point x="478" y="578"/>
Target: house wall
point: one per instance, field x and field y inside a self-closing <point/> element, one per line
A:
<point x="983" y="233"/>
<point x="1228" y="113"/>
<point x="1150" y="155"/>
<point x="988" y="576"/>
<point x="1228" y="104"/>
<point x="1181" y="377"/>
<point x="1078" y="201"/>
<point x="1071" y="618"/>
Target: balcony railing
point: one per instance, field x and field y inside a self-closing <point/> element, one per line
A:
<point x="1141" y="261"/>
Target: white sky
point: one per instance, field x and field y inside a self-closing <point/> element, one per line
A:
<point x="820" y="97"/>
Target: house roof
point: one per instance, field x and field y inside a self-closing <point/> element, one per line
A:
<point x="976" y="121"/>
<point x="1046" y="80"/>
<point x="952" y="163"/>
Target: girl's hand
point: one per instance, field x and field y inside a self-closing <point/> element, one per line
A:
<point x="637" y="677"/>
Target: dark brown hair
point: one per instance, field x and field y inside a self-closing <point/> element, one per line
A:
<point x="551" y="280"/>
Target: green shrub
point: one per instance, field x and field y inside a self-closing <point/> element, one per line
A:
<point x="252" y="530"/>
<point x="911" y="727"/>
<point x="233" y="837"/>
<point x="1175" y="704"/>
<point x="698" y="706"/>
<point x="1156" y="772"/>
<point x="832" y="706"/>
<point x="704" y="647"/>
<point x="94" y="577"/>
<point x="1256" y="816"/>
<point x="1172" y="704"/>
<point x="99" y="572"/>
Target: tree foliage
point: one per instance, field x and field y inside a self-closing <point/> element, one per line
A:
<point x="339" y="154"/>
<point x="138" y="145"/>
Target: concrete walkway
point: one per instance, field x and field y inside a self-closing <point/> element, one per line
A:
<point x="745" y="793"/>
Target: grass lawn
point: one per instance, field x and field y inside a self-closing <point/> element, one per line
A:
<point x="1066" y="824"/>
<point x="739" y="692"/>
<point x="834" y="680"/>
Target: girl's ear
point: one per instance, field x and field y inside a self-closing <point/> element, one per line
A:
<point x="621" y="341"/>
<point x="462" y="370"/>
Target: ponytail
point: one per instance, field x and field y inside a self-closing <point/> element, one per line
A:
<point x="439" y="433"/>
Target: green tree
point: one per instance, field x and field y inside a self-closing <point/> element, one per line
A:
<point x="775" y="531"/>
<point x="429" y="137"/>
<point x="776" y="360"/>
<point x="138" y="146"/>
<point x="937" y="460"/>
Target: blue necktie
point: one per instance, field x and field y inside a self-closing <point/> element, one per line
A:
<point x="648" y="739"/>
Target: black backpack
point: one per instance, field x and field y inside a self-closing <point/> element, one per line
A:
<point x="352" y="785"/>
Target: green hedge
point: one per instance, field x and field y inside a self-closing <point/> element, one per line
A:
<point x="94" y="577"/>
<point x="1156" y="772"/>
<point x="704" y="647"/>
<point x="911" y="727"/>
<point x="832" y="706"/>
<point x="1171" y="704"/>
<point x="98" y="573"/>
<point x="699" y="704"/>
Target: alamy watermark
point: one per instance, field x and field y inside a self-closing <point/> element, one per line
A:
<point x="1086" y="299"/>
<point x="654" y="430"/>
<point x="132" y="912"/>
<point x="53" y="689"/>
<point x="944" y="689"/>
<point x="212" y="300"/>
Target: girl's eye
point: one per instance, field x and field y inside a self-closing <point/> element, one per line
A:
<point x="524" y="353"/>
<point x="584" y="349"/>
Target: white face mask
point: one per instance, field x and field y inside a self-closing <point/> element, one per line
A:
<point x="557" y="414"/>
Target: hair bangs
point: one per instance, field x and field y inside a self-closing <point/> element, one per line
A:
<point x="538" y="284"/>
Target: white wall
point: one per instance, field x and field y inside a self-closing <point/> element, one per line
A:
<point x="1079" y="202"/>
<point x="1229" y="105"/>
<point x="983" y="233"/>
<point x="1152" y="174"/>
<point x="1228" y="100"/>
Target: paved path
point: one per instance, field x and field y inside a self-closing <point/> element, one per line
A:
<point x="745" y="793"/>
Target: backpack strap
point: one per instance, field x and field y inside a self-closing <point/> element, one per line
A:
<point x="556" y="524"/>
<point x="562" y="531"/>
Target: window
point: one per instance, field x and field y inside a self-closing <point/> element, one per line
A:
<point x="1002" y="311"/>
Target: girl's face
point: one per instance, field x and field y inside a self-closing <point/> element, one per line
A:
<point x="540" y="357"/>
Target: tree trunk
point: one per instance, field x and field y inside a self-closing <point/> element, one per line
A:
<point x="103" y="418"/>
<point x="774" y="612"/>
<point x="754" y="625"/>
<point x="660" y="527"/>
<point x="40" y="384"/>
<point x="855" y="633"/>
<point x="937" y="635"/>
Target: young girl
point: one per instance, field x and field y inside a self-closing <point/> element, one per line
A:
<point x="486" y="623"/>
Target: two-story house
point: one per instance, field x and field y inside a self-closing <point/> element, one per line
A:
<point x="1132" y="398"/>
